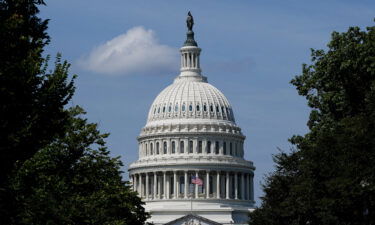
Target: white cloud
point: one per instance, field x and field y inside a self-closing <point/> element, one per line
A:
<point x="136" y="51"/>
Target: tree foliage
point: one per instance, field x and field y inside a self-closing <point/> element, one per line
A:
<point x="328" y="178"/>
<point x="32" y="99"/>
<point x="74" y="181"/>
<point x="54" y="166"/>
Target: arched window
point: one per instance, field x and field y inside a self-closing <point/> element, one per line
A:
<point x="157" y="148"/>
<point x="211" y="108"/>
<point x="200" y="147"/>
<point x="190" y="146"/>
<point x="146" y="152"/>
<point x="182" y="147"/>
<point x="222" y="109"/>
<point x="151" y="149"/>
<point x="165" y="147"/>
<point x="205" y="108"/>
<point x="173" y="147"/>
<point x="208" y="146"/>
<point x="216" y="147"/>
<point x="198" y="108"/>
<point x="190" y="108"/>
<point x="225" y="148"/>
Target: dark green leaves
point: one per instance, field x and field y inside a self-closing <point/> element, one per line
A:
<point x="326" y="178"/>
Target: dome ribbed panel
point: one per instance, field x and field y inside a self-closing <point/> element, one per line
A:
<point x="189" y="94"/>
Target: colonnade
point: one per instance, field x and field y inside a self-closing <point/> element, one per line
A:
<point x="190" y="60"/>
<point x="177" y="184"/>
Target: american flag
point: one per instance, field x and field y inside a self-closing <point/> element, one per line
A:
<point x="196" y="180"/>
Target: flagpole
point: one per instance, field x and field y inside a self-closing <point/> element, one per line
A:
<point x="191" y="204"/>
<point x="191" y="201"/>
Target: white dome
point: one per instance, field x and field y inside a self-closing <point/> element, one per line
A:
<point x="191" y="132"/>
<point x="190" y="98"/>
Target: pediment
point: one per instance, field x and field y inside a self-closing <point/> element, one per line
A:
<point x="192" y="219"/>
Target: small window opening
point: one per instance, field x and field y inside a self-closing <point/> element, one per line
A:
<point x="182" y="147"/>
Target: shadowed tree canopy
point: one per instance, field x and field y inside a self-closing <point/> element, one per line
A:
<point x="74" y="181"/>
<point x="32" y="99"/>
<point x="328" y="178"/>
<point x="54" y="166"/>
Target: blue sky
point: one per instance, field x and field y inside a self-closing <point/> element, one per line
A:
<point x="250" y="51"/>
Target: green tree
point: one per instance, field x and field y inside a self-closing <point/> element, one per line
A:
<point x="74" y="181"/>
<point x="32" y="99"/>
<point x="329" y="177"/>
<point x="54" y="166"/>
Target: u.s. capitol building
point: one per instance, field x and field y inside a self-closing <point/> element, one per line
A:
<point x="191" y="132"/>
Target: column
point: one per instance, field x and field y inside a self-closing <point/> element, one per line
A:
<point x="168" y="186"/>
<point x="174" y="184"/>
<point x="182" y="63"/>
<point x="252" y="186"/>
<point x="159" y="187"/>
<point x="135" y="183"/>
<point x="243" y="186"/>
<point x="236" y="185"/>
<point x="218" y="184"/>
<point x="141" y="185"/>
<point x="227" y="186"/>
<point x="147" y="187"/>
<point x="207" y="184"/>
<point x="196" y="60"/>
<point x="164" y="184"/>
<point x="155" y="184"/>
<point x="196" y="185"/>
<point x="186" y="185"/>
<point x="247" y="186"/>
<point x="178" y="187"/>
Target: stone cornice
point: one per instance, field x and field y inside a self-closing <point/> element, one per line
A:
<point x="189" y="134"/>
<point x="192" y="163"/>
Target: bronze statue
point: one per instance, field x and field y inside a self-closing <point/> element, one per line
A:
<point x="190" y="21"/>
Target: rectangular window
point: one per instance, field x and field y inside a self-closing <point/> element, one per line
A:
<point x="173" y="147"/>
<point x="182" y="147"/>
<point x="190" y="146"/>
<point x="225" y="148"/>
<point x="216" y="147"/>
<point x="165" y="148"/>
<point x="208" y="146"/>
<point x="200" y="147"/>
<point x="231" y="149"/>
